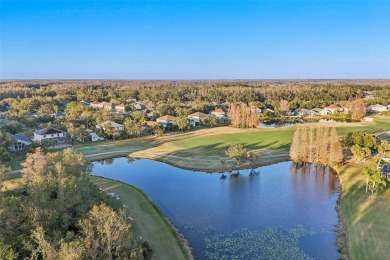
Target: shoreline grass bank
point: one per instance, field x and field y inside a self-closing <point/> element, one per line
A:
<point x="149" y="222"/>
<point x="366" y="216"/>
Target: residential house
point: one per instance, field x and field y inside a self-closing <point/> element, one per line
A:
<point x="196" y="118"/>
<point x="49" y="133"/>
<point x="120" y="108"/>
<point x="103" y="105"/>
<point x="94" y="136"/>
<point x="139" y="106"/>
<point x="131" y="100"/>
<point x="368" y="94"/>
<point x="166" y="120"/>
<point x="377" y="108"/>
<point x="220" y="114"/>
<point x="333" y="108"/>
<point x="115" y="127"/>
<point x="108" y="106"/>
<point x="319" y="112"/>
<point x="346" y="109"/>
<point x="148" y="125"/>
<point x="268" y="110"/>
<point x="97" y="104"/>
<point x="20" y="141"/>
<point x="302" y="112"/>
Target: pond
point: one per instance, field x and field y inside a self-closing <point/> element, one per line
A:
<point x="279" y="212"/>
<point x="277" y="125"/>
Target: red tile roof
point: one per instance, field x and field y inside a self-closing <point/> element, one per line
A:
<point x="333" y="106"/>
<point x="198" y="114"/>
<point x="218" y="111"/>
<point x="166" y="118"/>
<point x="149" y="123"/>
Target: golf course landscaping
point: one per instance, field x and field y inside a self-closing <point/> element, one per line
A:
<point x="366" y="215"/>
<point x="204" y="149"/>
<point x="149" y="223"/>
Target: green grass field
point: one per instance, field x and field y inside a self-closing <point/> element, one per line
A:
<point x="189" y="148"/>
<point x="209" y="144"/>
<point x="148" y="223"/>
<point x="216" y="145"/>
<point x="367" y="216"/>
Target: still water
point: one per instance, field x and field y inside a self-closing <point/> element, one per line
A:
<point x="275" y="125"/>
<point x="279" y="212"/>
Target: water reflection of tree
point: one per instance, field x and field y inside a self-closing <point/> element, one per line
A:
<point x="223" y="163"/>
<point x="131" y="159"/>
<point x="323" y="176"/>
<point x="238" y="184"/>
<point x="106" y="161"/>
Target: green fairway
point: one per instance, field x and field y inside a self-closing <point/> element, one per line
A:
<point x="148" y="223"/>
<point x="188" y="149"/>
<point x="367" y="216"/>
<point x="207" y="146"/>
<point x="382" y="124"/>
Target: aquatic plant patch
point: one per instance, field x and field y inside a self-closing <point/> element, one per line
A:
<point x="245" y="244"/>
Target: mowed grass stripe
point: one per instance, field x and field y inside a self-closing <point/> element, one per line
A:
<point x="367" y="216"/>
<point x="216" y="145"/>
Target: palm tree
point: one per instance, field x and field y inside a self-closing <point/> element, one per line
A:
<point x="374" y="181"/>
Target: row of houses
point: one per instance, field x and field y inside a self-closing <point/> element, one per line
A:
<point x="109" y="106"/>
<point x="195" y="118"/>
<point x="333" y="109"/>
<point x="378" y="108"/>
<point x="58" y="137"/>
<point x="168" y="120"/>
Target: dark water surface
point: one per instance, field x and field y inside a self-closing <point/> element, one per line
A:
<point x="281" y="212"/>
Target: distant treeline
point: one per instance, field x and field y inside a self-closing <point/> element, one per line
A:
<point x="298" y="94"/>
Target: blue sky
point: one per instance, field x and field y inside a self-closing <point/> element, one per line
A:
<point x="194" y="39"/>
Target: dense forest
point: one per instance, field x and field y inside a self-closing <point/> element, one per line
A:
<point x="300" y="94"/>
